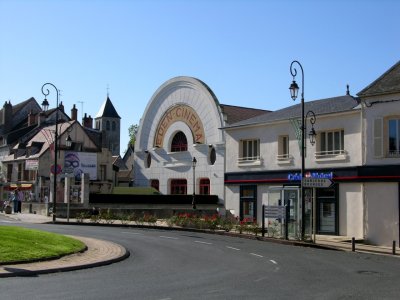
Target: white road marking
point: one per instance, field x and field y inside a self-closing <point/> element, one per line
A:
<point x="260" y="279"/>
<point x="258" y="255"/>
<point x="237" y="249"/>
<point x="274" y="262"/>
<point x="138" y="233"/>
<point x="201" y="242"/>
<point x="168" y="237"/>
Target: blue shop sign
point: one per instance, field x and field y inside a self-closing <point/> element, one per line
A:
<point x="297" y="176"/>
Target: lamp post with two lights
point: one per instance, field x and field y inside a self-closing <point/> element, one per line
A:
<point x="55" y="169"/>
<point x="294" y="90"/>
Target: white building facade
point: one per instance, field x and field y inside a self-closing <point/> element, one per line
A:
<point x="181" y="122"/>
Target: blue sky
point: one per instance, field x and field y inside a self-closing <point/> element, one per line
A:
<point x="241" y="49"/>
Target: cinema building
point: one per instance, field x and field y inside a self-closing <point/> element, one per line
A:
<point x="182" y="125"/>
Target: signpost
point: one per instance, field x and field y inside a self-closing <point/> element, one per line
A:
<point x="317" y="182"/>
<point x="55" y="170"/>
<point x="274" y="212"/>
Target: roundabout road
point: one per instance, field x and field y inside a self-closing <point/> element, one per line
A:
<point x="167" y="264"/>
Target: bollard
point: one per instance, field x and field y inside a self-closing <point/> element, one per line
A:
<point x="353" y="244"/>
<point x="394" y="248"/>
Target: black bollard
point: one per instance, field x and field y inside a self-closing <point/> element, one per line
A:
<point x="353" y="244"/>
<point x="394" y="248"/>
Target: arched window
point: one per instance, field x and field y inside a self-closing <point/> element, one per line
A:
<point x="108" y="125"/>
<point x="204" y="186"/>
<point x="178" y="187"/>
<point x="148" y="160"/>
<point x="179" y="142"/>
<point x="114" y="126"/>
<point x="154" y="183"/>
<point x="212" y="156"/>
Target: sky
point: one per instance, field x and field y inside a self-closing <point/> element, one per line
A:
<point x="242" y="49"/>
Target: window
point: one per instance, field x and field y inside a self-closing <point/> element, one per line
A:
<point x="249" y="150"/>
<point x="114" y="126"/>
<point x="331" y="143"/>
<point x="148" y="160"/>
<point x="108" y="125"/>
<point x="179" y="142"/>
<point x="9" y="172"/>
<point x="204" y="186"/>
<point x="178" y="187"/>
<point x="20" y="171"/>
<point x="283" y="147"/>
<point x="103" y="172"/>
<point x="248" y="203"/>
<point x="394" y="137"/>
<point x="212" y="156"/>
<point x="154" y="183"/>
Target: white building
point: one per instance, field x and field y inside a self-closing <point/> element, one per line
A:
<point x="183" y="121"/>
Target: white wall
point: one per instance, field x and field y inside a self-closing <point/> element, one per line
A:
<point x="382" y="213"/>
<point x="351" y="210"/>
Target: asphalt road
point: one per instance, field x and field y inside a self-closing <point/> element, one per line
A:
<point x="173" y="265"/>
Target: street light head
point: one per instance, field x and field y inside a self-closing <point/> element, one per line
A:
<point x="68" y="141"/>
<point x="194" y="162"/>
<point x="312" y="134"/>
<point x="45" y="105"/>
<point x="294" y="90"/>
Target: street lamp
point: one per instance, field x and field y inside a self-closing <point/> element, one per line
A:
<point x="194" y="162"/>
<point x="55" y="170"/>
<point x="294" y="90"/>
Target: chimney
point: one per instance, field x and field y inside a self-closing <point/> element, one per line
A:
<point x="41" y="118"/>
<point x="74" y="113"/>
<point x="31" y="118"/>
<point x="7" y="116"/>
<point x="61" y="106"/>
<point x="87" y="121"/>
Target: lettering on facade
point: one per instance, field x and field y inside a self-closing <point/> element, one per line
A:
<point x="297" y="176"/>
<point x="184" y="114"/>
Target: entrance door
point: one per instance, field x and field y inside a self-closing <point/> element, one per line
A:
<point x="248" y="202"/>
<point x="327" y="211"/>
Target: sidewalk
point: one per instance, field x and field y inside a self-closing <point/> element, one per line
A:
<point x="98" y="253"/>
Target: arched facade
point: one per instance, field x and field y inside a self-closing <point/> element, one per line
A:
<point x="181" y="121"/>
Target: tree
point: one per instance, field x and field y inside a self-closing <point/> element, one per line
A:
<point x="133" y="129"/>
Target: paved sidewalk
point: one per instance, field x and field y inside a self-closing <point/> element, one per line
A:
<point x="98" y="253"/>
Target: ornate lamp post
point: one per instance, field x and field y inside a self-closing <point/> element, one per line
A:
<point x="55" y="170"/>
<point x="194" y="162"/>
<point x="294" y="90"/>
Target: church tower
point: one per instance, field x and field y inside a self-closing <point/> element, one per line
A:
<point x="108" y="122"/>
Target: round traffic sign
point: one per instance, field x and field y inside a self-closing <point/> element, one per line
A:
<point x="54" y="170"/>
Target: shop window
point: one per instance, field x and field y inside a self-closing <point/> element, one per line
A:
<point x="249" y="150"/>
<point x="248" y="203"/>
<point x="204" y="186"/>
<point x="155" y="183"/>
<point x="331" y="144"/>
<point x="178" y="186"/>
<point x="179" y="142"/>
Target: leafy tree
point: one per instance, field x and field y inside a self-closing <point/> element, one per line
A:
<point x="133" y="129"/>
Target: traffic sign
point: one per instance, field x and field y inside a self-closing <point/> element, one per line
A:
<point x="54" y="170"/>
<point x="317" y="182"/>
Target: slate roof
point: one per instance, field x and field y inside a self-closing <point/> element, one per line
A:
<point x="388" y="83"/>
<point x="319" y="107"/>
<point x="107" y="110"/>
<point x="236" y="114"/>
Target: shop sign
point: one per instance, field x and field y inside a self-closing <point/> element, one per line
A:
<point x="31" y="164"/>
<point x="316" y="175"/>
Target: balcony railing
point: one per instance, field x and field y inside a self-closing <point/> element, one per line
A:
<point x="333" y="154"/>
<point x="249" y="160"/>
<point x="394" y="153"/>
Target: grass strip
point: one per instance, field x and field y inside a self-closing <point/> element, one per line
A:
<point x="19" y="244"/>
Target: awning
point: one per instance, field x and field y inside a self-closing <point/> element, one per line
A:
<point x="22" y="186"/>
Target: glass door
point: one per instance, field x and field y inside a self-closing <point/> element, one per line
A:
<point x="248" y="202"/>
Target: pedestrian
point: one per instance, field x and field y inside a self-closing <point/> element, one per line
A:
<point x="15" y="200"/>
<point x="20" y="199"/>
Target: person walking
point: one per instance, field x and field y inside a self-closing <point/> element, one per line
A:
<point x="15" y="200"/>
<point x="20" y="199"/>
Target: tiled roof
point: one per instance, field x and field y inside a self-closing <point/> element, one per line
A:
<point x="388" y="83"/>
<point x="319" y="107"/>
<point x="236" y="114"/>
<point x="107" y="110"/>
